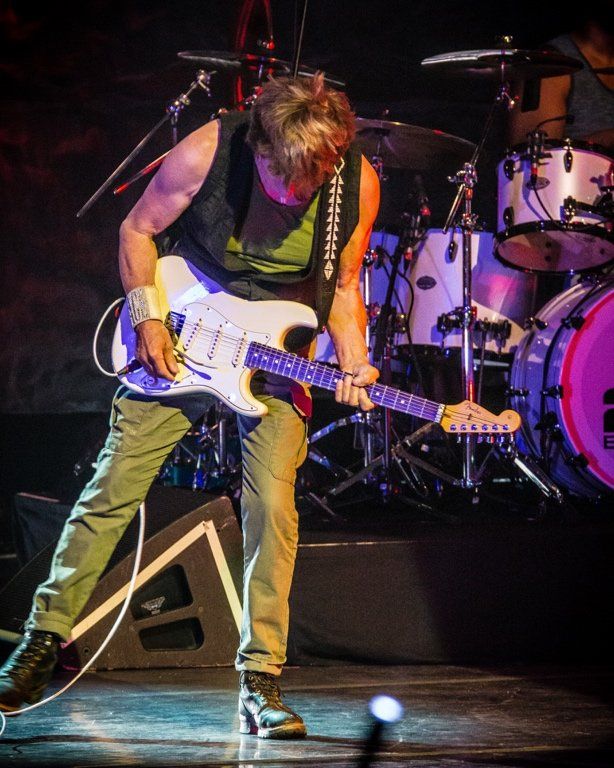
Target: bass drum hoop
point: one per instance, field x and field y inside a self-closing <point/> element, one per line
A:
<point x="552" y="365"/>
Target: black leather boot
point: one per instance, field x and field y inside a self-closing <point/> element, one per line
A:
<point x="28" y="670"/>
<point x="261" y="710"/>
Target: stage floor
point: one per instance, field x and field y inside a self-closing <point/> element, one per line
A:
<point x="457" y="717"/>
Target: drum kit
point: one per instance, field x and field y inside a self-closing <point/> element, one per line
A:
<point x="458" y="291"/>
<point x="465" y="290"/>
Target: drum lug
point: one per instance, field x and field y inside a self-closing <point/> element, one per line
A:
<point x="576" y="322"/>
<point x="548" y="422"/>
<point x="568" y="158"/>
<point x="570" y="206"/>
<point x="448" y="321"/>
<point x="541" y="325"/>
<point x="508" y="168"/>
<point x="579" y="460"/>
<point x="556" y="391"/>
<point x="517" y="392"/>
<point x="508" y="217"/>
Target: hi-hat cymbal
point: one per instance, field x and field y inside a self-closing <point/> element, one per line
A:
<point x="252" y="62"/>
<point x="512" y="63"/>
<point x="411" y="146"/>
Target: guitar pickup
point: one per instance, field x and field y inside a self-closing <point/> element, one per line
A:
<point x="239" y="355"/>
<point x="215" y="342"/>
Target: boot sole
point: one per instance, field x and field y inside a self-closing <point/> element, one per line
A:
<point x="32" y="697"/>
<point x="248" y="725"/>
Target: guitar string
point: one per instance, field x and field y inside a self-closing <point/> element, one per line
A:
<point x="389" y="399"/>
<point x="329" y="376"/>
<point x="205" y="335"/>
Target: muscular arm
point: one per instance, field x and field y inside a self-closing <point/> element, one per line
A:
<point x="347" y="321"/>
<point x="167" y="196"/>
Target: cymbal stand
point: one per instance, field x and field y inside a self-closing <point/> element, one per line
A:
<point x="466" y="180"/>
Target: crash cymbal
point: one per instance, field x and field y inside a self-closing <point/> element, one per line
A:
<point x="231" y="60"/>
<point x="514" y="63"/>
<point x="411" y="146"/>
<point x="252" y="62"/>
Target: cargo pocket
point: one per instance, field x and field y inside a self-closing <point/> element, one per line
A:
<point x="288" y="449"/>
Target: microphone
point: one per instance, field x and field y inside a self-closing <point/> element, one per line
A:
<point x="536" y="149"/>
<point x="416" y="219"/>
<point x="424" y="208"/>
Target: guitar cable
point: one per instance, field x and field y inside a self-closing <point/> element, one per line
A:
<point x="97" y="333"/>
<point x="106" y="641"/>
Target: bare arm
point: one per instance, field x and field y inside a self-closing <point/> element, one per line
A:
<point x="554" y="92"/>
<point x="167" y="196"/>
<point x="347" y="321"/>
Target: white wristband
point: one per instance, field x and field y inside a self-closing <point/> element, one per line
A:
<point x="143" y="304"/>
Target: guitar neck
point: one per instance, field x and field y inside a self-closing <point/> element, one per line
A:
<point x="325" y="376"/>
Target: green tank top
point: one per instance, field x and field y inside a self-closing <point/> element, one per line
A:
<point x="274" y="237"/>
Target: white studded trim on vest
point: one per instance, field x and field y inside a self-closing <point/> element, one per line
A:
<point x="335" y="196"/>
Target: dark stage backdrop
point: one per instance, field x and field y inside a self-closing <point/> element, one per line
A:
<point x="78" y="92"/>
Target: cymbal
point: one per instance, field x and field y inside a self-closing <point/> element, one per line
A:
<point x="602" y="70"/>
<point x="411" y="146"/>
<point x="253" y="62"/>
<point x="511" y="62"/>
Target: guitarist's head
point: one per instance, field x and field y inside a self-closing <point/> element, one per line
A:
<point x="302" y="128"/>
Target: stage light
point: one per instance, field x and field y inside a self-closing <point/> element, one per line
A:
<point x="386" y="709"/>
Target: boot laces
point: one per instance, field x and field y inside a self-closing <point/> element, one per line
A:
<point x="266" y="686"/>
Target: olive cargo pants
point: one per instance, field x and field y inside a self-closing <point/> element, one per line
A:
<point x="142" y="433"/>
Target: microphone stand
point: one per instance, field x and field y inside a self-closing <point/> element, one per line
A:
<point x="173" y="111"/>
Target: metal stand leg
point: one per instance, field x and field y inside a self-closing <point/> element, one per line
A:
<point x="373" y="428"/>
<point x="529" y="467"/>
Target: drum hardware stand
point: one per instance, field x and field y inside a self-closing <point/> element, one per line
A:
<point x="211" y="449"/>
<point x="173" y="112"/>
<point x="393" y="455"/>
<point x="466" y="181"/>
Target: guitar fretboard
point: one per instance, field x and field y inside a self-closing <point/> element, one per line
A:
<point x="325" y="376"/>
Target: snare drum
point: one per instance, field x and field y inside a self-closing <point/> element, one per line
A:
<point x="562" y="381"/>
<point x="558" y="226"/>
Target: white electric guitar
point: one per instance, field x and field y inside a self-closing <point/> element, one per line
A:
<point x="220" y="340"/>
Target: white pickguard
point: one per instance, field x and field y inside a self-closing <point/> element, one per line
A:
<point x="214" y="338"/>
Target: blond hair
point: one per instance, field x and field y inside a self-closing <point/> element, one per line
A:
<point x="302" y="128"/>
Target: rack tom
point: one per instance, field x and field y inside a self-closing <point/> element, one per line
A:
<point x="563" y="221"/>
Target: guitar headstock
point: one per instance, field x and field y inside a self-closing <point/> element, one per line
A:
<point x="470" y="418"/>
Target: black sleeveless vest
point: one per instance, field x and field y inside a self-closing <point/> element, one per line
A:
<point x="202" y="231"/>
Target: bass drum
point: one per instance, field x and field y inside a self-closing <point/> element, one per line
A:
<point x="562" y="384"/>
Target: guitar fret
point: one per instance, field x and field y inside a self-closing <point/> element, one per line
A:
<point x="319" y="374"/>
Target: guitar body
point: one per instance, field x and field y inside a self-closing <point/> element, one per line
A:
<point x="213" y="334"/>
